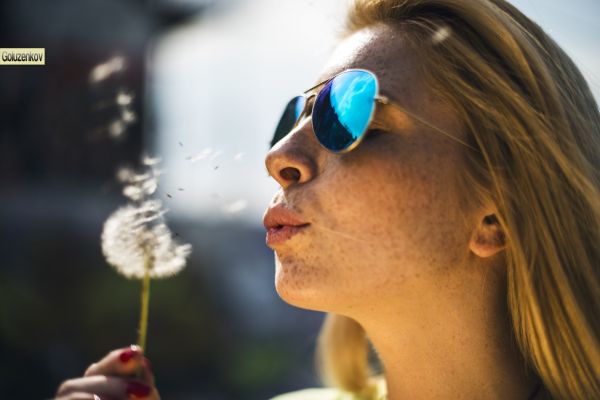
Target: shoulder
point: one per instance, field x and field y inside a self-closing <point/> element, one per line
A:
<point x="331" y="393"/>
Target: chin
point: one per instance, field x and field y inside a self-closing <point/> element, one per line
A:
<point x="300" y="286"/>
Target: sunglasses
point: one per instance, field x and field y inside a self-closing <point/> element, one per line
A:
<point x="341" y="112"/>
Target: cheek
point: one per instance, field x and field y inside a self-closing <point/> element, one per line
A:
<point x="376" y="225"/>
<point x="301" y="279"/>
<point x="401" y="211"/>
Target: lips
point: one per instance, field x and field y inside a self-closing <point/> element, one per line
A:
<point x="281" y="224"/>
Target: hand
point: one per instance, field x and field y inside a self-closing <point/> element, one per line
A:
<point x="113" y="378"/>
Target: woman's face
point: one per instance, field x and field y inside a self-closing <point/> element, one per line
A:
<point x="385" y="218"/>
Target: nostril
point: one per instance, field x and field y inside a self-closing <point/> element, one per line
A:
<point x="290" y="174"/>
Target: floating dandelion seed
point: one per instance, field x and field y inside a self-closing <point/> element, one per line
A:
<point x="123" y="99"/>
<point x="180" y="144"/>
<point x="207" y="153"/>
<point x="102" y="71"/>
<point x="216" y="167"/>
<point x="128" y="116"/>
<point x="169" y="196"/>
<point x="200" y="156"/>
<point x="116" y="128"/>
<point x="215" y="155"/>
<point x="180" y="189"/>
<point x="238" y="156"/>
<point x="135" y="239"/>
<point x="235" y="207"/>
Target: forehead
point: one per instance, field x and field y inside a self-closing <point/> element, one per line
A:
<point x="381" y="49"/>
<point x="384" y="50"/>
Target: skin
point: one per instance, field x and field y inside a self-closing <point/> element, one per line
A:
<point x="108" y="379"/>
<point x="421" y="271"/>
<point x="391" y="244"/>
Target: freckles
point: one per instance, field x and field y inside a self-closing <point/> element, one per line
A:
<point x="298" y="274"/>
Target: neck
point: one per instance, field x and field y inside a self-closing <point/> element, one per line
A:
<point x="458" y="347"/>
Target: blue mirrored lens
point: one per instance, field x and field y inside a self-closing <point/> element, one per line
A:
<point x="288" y="119"/>
<point x="343" y="109"/>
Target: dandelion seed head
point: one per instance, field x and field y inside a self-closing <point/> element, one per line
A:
<point x="135" y="238"/>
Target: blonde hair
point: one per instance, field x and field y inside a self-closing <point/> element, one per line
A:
<point x="527" y="109"/>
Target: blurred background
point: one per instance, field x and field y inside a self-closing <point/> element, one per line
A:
<point x="200" y="84"/>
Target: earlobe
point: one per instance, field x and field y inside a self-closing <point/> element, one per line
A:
<point x="488" y="238"/>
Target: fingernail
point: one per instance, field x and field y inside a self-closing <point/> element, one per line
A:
<point x="137" y="389"/>
<point x="148" y="364"/>
<point x="129" y="354"/>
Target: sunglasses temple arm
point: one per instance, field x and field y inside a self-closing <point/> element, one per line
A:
<point x="386" y="100"/>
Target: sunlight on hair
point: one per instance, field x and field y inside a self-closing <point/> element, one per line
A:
<point x="441" y="34"/>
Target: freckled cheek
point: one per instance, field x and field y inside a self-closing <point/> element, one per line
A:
<point x="374" y="204"/>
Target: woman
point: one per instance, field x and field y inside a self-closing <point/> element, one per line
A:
<point x="440" y="200"/>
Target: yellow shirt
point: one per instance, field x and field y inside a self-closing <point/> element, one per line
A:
<point x="331" y="393"/>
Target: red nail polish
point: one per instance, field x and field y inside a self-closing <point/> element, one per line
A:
<point x="128" y="354"/>
<point x="137" y="389"/>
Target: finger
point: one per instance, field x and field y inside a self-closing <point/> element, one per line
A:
<point x="107" y="386"/>
<point x="123" y="362"/>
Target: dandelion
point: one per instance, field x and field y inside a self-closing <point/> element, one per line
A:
<point x="136" y="240"/>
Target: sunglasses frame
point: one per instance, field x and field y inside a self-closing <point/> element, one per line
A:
<point x="379" y="98"/>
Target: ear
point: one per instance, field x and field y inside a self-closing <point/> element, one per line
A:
<point x="487" y="238"/>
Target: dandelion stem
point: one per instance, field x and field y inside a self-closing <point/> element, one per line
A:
<point x="144" y="311"/>
<point x="143" y="328"/>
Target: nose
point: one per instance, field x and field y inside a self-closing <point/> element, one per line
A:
<point x="293" y="159"/>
